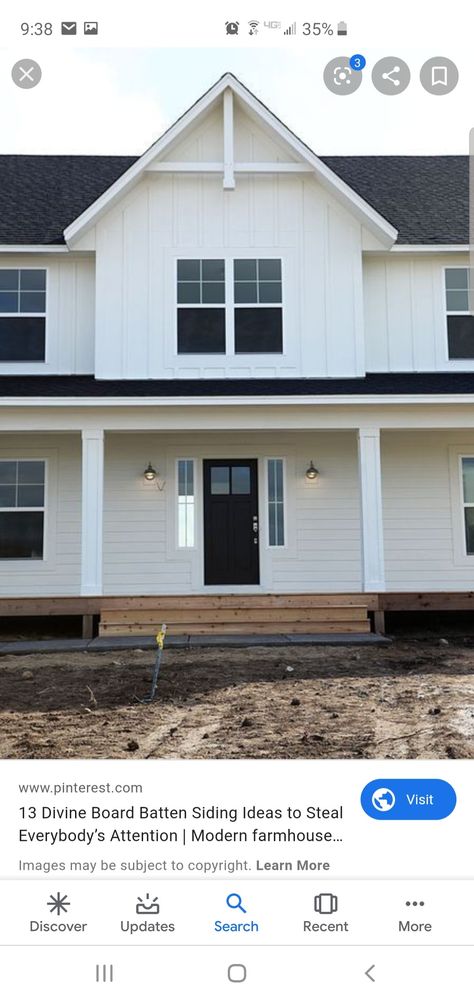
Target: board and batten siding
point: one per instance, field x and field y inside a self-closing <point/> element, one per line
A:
<point x="59" y="574"/>
<point x="322" y="550"/>
<point x="405" y="312"/>
<point x="70" y="314"/>
<point x="168" y="216"/>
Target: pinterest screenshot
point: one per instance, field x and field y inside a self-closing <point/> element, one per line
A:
<point x="236" y="500"/>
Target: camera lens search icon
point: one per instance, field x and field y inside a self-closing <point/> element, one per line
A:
<point x="383" y="799"/>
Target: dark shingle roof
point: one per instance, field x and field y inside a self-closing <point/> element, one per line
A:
<point x="400" y="383"/>
<point x="424" y="197"/>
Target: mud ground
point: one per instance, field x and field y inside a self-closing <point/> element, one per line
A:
<point x="414" y="699"/>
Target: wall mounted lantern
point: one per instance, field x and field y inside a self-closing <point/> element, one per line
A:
<point x="311" y="472"/>
<point x="150" y="473"/>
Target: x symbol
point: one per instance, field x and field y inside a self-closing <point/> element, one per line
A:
<point x="26" y="74"/>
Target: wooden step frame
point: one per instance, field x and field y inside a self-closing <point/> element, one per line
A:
<point x="247" y="614"/>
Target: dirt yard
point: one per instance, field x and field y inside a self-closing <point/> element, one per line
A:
<point x="414" y="699"/>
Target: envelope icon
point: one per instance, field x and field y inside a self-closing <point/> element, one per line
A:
<point x="69" y="27"/>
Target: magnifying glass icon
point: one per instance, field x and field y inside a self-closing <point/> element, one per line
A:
<point x="234" y="901"/>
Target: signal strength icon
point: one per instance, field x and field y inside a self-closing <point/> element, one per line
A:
<point x="291" y="30"/>
<point x="253" y="25"/>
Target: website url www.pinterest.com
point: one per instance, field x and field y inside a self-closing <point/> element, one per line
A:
<point x="80" y="789"/>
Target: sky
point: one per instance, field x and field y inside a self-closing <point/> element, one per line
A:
<point x="120" y="100"/>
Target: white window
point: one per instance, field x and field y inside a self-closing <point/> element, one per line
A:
<point x="22" y="485"/>
<point x="232" y="306"/>
<point x="467" y="467"/>
<point x="22" y="314"/>
<point x="258" y="321"/>
<point x="201" y="307"/>
<point x="276" y="502"/>
<point x="186" y="503"/>
<point x="460" y="321"/>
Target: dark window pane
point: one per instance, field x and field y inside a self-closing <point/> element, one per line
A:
<point x="32" y="280"/>
<point x="8" y="302"/>
<point x="269" y="291"/>
<point x="30" y="496"/>
<point x="22" y="338"/>
<point x="468" y="479"/>
<point x="189" y="291"/>
<point x="456" y="277"/>
<point x="32" y="302"/>
<point x="213" y="270"/>
<point x="185" y="478"/>
<point x="469" y="523"/>
<point x="269" y="270"/>
<point x="245" y="270"/>
<point x="8" y="472"/>
<point x="21" y="534"/>
<point x="240" y="479"/>
<point x="31" y="472"/>
<point x="220" y="483"/>
<point x="461" y="336"/>
<point x="258" y="331"/>
<point x="189" y="270"/>
<point x="213" y="291"/>
<point x="245" y="291"/>
<point x="201" y="331"/>
<point x="8" y="279"/>
<point x="8" y="496"/>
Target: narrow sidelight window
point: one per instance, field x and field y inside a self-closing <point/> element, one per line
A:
<point x="22" y="314"/>
<point x="186" y="501"/>
<point x="468" y="502"/>
<point x="201" y="307"/>
<point x="258" y="306"/>
<point x="276" y="501"/>
<point x="21" y="509"/>
<point x="460" y="322"/>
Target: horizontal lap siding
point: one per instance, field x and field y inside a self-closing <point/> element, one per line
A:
<point x="322" y="550"/>
<point x="59" y="573"/>
<point x="419" y="507"/>
<point x="136" y="549"/>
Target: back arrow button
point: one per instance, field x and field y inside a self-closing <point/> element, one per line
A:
<point x="367" y="973"/>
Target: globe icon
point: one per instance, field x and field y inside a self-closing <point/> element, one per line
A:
<point x="383" y="799"/>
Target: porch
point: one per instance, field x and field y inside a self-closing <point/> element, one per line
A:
<point x="379" y="528"/>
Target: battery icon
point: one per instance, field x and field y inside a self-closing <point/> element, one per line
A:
<point x="342" y="28"/>
<point x="325" y="903"/>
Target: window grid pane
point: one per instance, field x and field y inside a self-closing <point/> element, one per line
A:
<point x="22" y="290"/>
<point x="257" y="281"/>
<point x="201" y="282"/>
<point x="21" y="484"/>
<point x="457" y="289"/>
<point x="185" y="503"/>
<point x="276" y="508"/>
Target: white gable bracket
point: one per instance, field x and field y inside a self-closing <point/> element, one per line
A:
<point x="228" y="105"/>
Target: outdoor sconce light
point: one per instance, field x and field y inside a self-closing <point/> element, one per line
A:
<point x="311" y="472"/>
<point x="150" y="473"/>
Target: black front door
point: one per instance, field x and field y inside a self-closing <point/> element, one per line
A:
<point x="231" y="521"/>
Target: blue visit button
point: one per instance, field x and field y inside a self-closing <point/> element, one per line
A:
<point x="407" y="798"/>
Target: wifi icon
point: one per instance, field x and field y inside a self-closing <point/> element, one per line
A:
<point x="253" y="25"/>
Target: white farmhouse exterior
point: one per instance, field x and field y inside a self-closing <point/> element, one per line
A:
<point x="226" y="311"/>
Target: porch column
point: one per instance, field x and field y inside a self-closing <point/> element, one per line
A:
<point x="92" y="510"/>
<point x="370" y="480"/>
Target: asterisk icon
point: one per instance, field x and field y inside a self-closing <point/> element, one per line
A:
<point x="58" y="904"/>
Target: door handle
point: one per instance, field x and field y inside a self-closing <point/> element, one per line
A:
<point x="255" y="524"/>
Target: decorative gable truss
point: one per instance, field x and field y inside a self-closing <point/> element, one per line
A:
<point x="228" y="100"/>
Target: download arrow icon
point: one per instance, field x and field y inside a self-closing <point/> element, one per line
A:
<point x="367" y="973"/>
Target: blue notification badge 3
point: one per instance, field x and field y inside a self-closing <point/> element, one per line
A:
<point x="408" y="798"/>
